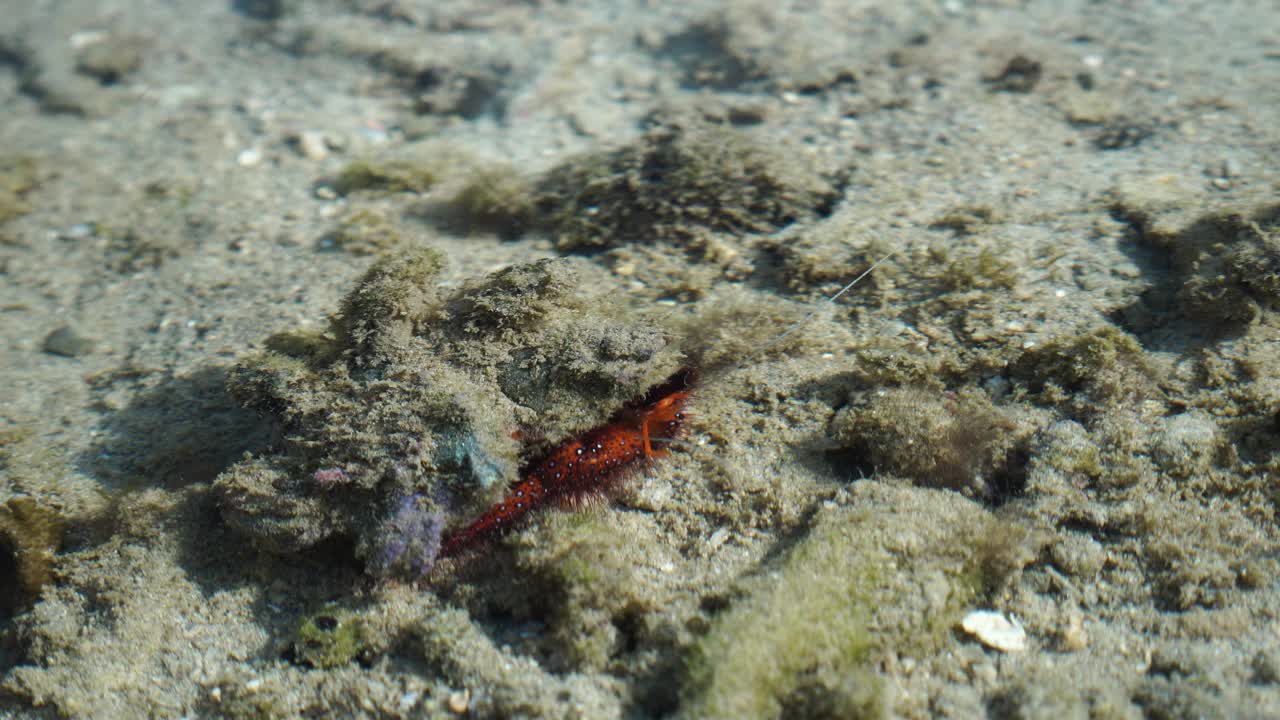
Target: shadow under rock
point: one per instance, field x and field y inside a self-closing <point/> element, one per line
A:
<point x="218" y="559"/>
<point x="185" y="430"/>
<point x="1209" y="281"/>
<point x="178" y="436"/>
<point x="181" y="434"/>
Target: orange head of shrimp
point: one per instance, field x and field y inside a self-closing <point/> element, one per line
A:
<point x="661" y="412"/>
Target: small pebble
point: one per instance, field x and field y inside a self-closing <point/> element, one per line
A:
<point x="1079" y="555"/>
<point x="85" y="38"/>
<point x="408" y="700"/>
<point x="109" y="57"/>
<point x="459" y="702"/>
<point x="985" y="673"/>
<point x="250" y="157"/>
<point x="1229" y="168"/>
<point x="995" y="630"/>
<point x="1185" y="445"/>
<point x="79" y="231"/>
<point x="68" y="342"/>
<point x="1074" y="637"/>
<point x="312" y="145"/>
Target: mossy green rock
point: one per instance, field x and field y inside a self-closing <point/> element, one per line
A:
<point x="890" y="570"/>
<point x="676" y="186"/>
<point x="329" y="638"/>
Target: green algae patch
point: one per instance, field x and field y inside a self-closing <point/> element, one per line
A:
<point x="314" y="347"/>
<point x="330" y="637"/>
<point x="988" y="268"/>
<point x="884" y="570"/>
<point x="966" y="220"/>
<point x="677" y="186"/>
<point x="1072" y="361"/>
<point x="815" y="614"/>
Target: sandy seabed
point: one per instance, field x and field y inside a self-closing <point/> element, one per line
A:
<point x="1058" y="399"/>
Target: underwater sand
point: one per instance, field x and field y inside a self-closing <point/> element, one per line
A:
<point x="1058" y="400"/>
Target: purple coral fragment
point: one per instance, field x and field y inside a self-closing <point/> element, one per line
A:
<point x="408" y="540"/>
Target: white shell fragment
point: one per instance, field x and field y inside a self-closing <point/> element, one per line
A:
<point x="995" y="630"/>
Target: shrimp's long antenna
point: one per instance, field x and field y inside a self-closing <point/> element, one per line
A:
<point x="830" y="301"/>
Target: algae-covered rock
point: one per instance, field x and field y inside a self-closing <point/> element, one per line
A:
<point x="41" y="505"/>
<point x="365" y="231"/>
<point x="1186" y="444"/>
<point x="676" y="186"/>
<point x="1224" y="264"/>
<point x="390" y="176"/>
<point x="112" y="58"/>
<point x="762" y="46"/>
<point x="1088" y="372"/>
<point x="815" y="615"/>
<point x="330" y="637"/>
<point x="952" y="440"/>
<point x="1233" y="272"/>
<point x="890" y="573"/>
<point x="265" y="9"/>
<point x="403" y="420"/>
<point x="506" y="684"/>
<point x="597" y="572"/>
<point x="497" y="199"/>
